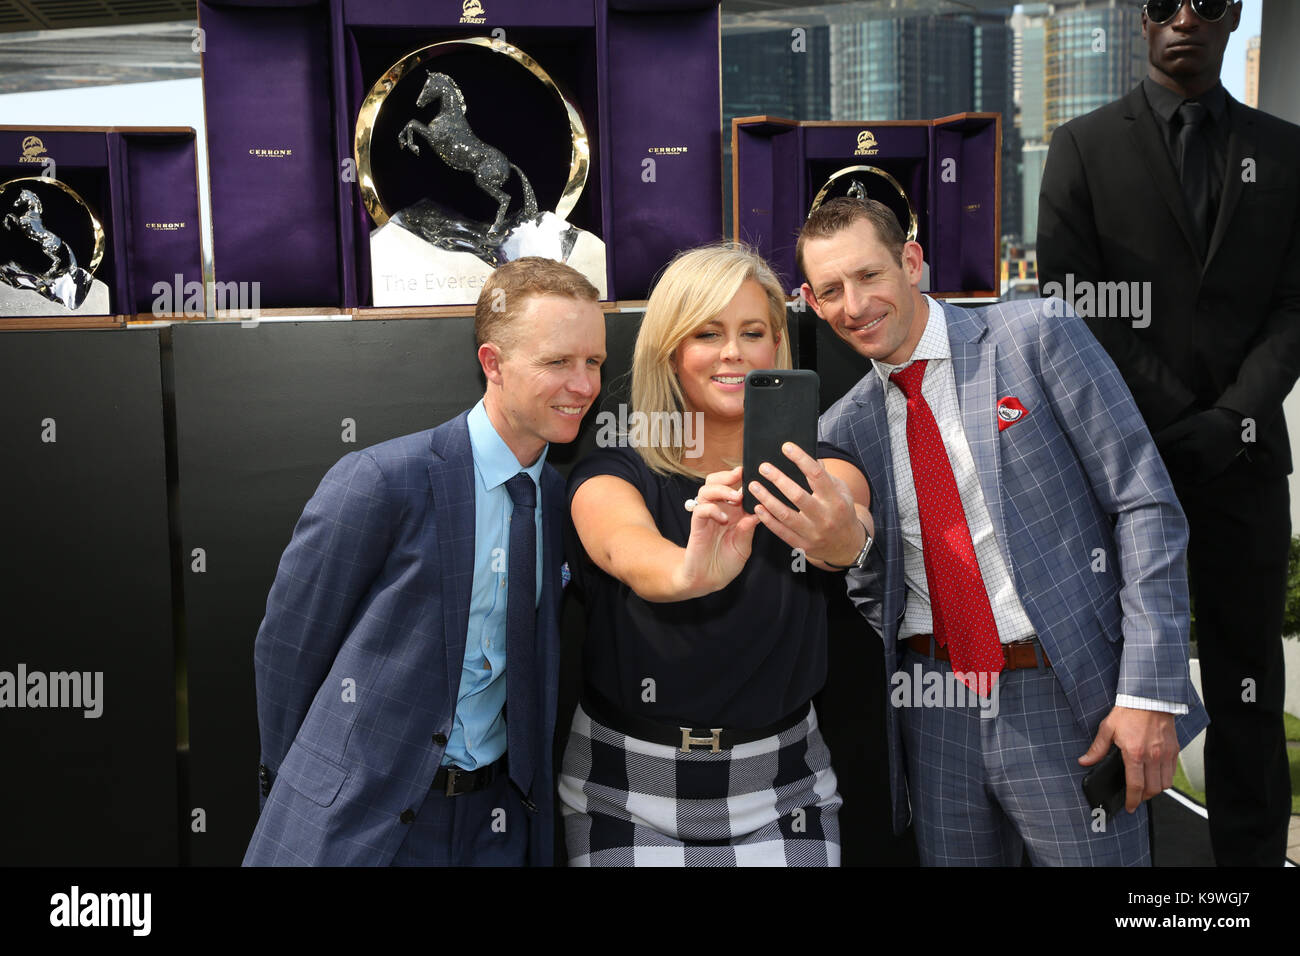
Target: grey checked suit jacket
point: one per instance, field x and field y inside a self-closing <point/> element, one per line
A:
<point x="1081" y="504"/>
<point x="375" y="587"/>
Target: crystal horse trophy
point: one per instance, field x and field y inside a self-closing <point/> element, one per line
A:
<point x="457" y="146"/>
<point x="429" y="254"/>
<point x="39" y="272"/>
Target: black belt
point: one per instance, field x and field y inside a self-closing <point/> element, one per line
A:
<point x="685" y="739"/>
<point x="454" y="781"/>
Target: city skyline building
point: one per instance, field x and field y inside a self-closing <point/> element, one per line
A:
<point x="1029" y="28"/>
<point x="1252" y="72"/>
<point x="921" y="68"/>
<point x="775" y="72"/>
<point x="1070" y="58"/>
<point x="1039" y="65"/>
<point x="1093" y="53"/>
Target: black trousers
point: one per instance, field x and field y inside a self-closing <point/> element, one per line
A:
<point x="1240" y="533"/>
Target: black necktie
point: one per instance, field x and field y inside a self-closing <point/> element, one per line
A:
<point x="521" y="632"/>
<point x="1194" y="165"/>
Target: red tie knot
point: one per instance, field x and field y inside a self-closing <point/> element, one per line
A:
<point x="909" y="379"/>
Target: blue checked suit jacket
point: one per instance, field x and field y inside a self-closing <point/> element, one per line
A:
<point x="374" y="588"/>
<point x="1082" y="508"/>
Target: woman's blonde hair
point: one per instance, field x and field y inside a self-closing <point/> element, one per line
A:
<point x="695" y="287"/>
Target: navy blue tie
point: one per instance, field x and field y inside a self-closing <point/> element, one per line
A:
<point x="521" y="633"/>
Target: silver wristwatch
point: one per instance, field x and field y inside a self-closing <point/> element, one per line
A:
<point x="861" y="560"/>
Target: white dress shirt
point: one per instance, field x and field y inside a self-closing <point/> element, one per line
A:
<point x="939" y="389"/>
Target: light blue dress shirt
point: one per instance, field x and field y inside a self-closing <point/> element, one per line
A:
<point x="478" y="734"/>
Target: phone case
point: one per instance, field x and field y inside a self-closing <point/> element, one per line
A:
<point x="1105" y="785"/>
<point x="780" y="406"/>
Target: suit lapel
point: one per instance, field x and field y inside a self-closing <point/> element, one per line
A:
<point x="1145" y="133"/>
<point x="974" y="367"/>
<point x="877" y="459"/>
<point x="1241" y="146"/>
<point x="451" y="476"/>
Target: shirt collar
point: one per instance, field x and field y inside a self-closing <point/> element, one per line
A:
<point x="933" y="345"/>
<point x="495" y="462"/>
<point x="1165" y="102"/>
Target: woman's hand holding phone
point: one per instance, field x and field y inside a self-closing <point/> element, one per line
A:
<point x="827" y="524"/>
<point x="721" y="538"/>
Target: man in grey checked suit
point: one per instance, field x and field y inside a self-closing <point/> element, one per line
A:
<point x="396" y="729"/>
<point x="1079" y="540"/>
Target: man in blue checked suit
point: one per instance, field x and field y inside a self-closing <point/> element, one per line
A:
<point x="1025" y="521"/>
<point x="407" y="666"/>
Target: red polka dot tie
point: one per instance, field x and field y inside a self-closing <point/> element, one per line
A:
<point x="959" y="602"/>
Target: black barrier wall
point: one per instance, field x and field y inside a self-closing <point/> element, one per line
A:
<point x="87" y="682"/>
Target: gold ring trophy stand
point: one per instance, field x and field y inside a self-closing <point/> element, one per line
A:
<point x="871" y="182"/>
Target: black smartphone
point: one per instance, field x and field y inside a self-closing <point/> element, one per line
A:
<point x="780" y="407"/>
<point x="1106" y="785"/>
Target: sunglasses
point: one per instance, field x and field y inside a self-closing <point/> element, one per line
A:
<point x="1162" y="11"/>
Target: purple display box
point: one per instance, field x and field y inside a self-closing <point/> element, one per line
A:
<point x="283" y="83"/>
<point x="778" y="165"/>
<point x="142" y="184"/>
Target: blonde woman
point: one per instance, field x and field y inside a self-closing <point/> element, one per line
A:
<point x="696" y="742"/>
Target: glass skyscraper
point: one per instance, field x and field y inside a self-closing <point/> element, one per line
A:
<point x="903" y="69"/>
<point x="1093" y="53"/>
<point x="782" y="72"/>
<point x="913" y="68"/>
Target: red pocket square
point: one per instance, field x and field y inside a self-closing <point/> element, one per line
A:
<point x="1010" y="411"/>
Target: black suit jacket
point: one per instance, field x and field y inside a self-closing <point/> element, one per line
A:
<point x="1224" y="328"/>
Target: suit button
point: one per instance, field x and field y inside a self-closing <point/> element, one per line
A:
<point x="407" y="815"/>
<point x="440" y="739"/>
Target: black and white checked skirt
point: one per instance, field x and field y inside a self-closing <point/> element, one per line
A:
<point x="628" y="802"/>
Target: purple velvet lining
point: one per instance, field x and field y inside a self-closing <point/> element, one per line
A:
<point x="65" y="147"/>
<point x="266" y="90"/>
<point x="665" y="150"/>
<point x="496" y="13"/>
<point x="980" y="150"/>
<point x="141" y="186"/>
<point x="946" y="238"/>
<point x="780" y="168"/>
<point x="965" y="219"/>
<point x="163" y="202"/>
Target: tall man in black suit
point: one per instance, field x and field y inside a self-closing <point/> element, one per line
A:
<point x="1191" y="202"/>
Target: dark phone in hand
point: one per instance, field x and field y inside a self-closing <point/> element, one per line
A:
<point x="1106" y="784"/>
<point x="780" y="407"/>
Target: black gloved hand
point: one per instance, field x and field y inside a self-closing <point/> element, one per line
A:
<point x="1201" y="446"/>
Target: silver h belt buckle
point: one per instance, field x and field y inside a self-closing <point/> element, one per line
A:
<point x="714" y="741"/>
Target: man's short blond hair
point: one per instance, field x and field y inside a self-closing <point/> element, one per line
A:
<point x="506" y="293"/>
